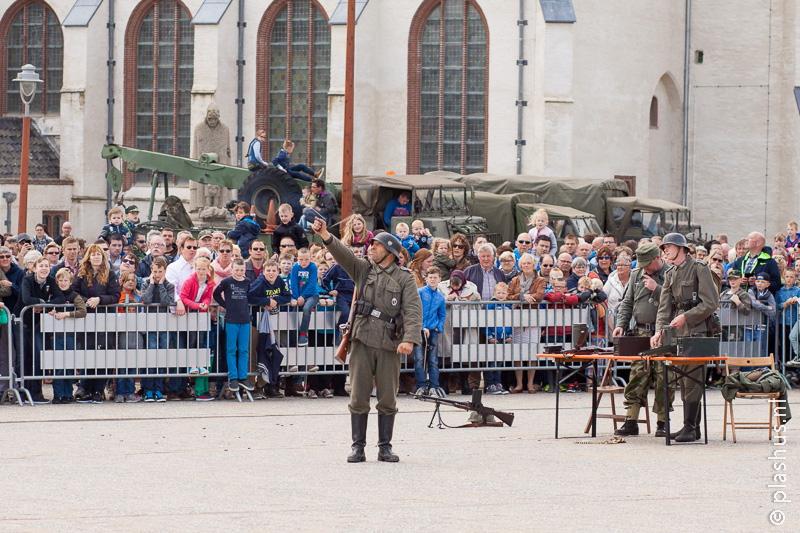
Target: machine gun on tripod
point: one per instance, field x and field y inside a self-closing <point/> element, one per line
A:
<point x="475" y="406"/>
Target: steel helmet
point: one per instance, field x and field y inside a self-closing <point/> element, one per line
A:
<point x="390" y="242"/>
<point x="674" y="238"/>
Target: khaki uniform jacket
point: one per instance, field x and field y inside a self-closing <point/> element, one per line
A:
<point x="640" y="302"/>
<point x="679" y="284"/>
<point x="392" y="291"/>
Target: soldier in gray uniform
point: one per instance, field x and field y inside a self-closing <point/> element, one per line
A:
<point x="640" y="303"/>
<point x="689" y="296"/>
<point x="386" y="326"/>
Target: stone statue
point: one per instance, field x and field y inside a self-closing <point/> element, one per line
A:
<point x="211" y="136"/>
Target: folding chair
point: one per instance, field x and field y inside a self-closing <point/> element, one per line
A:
<point x="755" y="362"/>
<point x="607" y="386"/>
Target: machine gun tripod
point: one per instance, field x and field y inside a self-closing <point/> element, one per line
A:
<point x="475" y="405"/>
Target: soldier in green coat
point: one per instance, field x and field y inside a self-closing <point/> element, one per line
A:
<point x="386" y="325"/>
<point x="640" y="303"/>
<point x="688" y="297"/>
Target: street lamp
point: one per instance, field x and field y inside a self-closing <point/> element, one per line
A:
<point x="27" y="79"/>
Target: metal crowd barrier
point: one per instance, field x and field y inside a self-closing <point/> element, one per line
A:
<point x="742" y="335"/>
<point x="8" y="376"/>
<point x="137" y="341"/>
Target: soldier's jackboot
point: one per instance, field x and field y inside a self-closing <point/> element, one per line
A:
<point x="699" y="411"/>
<point x="385" y="429"/>
<point x="660" y="431"/>
<point x="689" y="431"/>
<point x="358" y="425"/>
<point x="629" y="429"/>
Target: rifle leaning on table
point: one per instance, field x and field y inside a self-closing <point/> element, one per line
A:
<point x="475" y="405"/>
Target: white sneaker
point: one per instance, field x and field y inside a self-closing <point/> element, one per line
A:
<point x="194" y="371"/>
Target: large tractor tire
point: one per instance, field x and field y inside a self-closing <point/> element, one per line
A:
<point x="271" y="184"/>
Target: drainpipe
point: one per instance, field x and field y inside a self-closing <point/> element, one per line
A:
<point x="521" y="63"/>
<point x="241" y="24"/>
<point x="686" y="63"/>
<point x="110" y="63"/>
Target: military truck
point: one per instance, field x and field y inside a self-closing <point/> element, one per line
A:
<point x="443" y="205"/>
<point x="626" y="217"/>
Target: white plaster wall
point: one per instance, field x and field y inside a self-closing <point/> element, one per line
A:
<point x="622" y="49"/>
<point x="666" y="146"/>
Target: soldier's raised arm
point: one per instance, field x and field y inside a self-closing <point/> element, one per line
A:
<point x="355" y="267"/>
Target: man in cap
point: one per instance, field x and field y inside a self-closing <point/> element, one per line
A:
<point x="386" y="326"/>
<point x="206" y="240"/>
<point x="637" y="314"/>
<point x="131" y="217"/>
<point x="688" y="296"/>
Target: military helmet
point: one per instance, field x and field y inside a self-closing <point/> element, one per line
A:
<point x="674" y="238"/>
<point x="390" y="242"/>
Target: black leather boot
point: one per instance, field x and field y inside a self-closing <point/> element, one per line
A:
<point x="689" y="431"/>
<point x="358" y="425"/>
<point x="385" y="429"/>
<point x="660" y="431"/>
<point x="629" y="429"/>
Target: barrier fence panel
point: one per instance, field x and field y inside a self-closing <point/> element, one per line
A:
<point x="8" y="376"/>
<point x="786" y="336"/>
<point x="742" y="335"/>
<point x="129" y="341"/>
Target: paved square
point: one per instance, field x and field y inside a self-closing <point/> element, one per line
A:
<point x="280" y="464"/>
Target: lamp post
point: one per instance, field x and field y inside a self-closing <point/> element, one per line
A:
<point x="27" y="79"/>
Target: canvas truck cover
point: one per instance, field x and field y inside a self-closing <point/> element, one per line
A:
<point x="587" y="195"/>
<point x="498" y="210"/>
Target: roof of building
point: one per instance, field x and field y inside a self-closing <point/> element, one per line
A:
<point x="44" y="159"/>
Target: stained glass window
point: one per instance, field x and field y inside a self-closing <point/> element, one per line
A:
<point x="164" y="77"/>
<point x="35" y="37"/>
<point x="453" y="48"/>
<point x="294" y="90"/>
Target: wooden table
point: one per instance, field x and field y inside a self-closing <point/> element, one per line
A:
<point x="563" y="360"/>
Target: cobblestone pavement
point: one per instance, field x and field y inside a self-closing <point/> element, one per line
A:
<point x="280" y="464"/>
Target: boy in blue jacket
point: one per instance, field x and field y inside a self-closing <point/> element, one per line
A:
<point x="269" y="291"/>
<point x="305" y="291"/>
<point x="433" y="315"/>
<point x="116" y="225"/>
<point x="246" y="230"/>
<point x="283" y="161"/>
<point x="409" y="243"/>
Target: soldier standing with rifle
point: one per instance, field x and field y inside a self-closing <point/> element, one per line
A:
<point x="640" y="302"/>
<point x="386" y="326"/>
<point x="688" y="297"/>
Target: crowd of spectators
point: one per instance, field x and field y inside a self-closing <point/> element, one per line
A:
<point x="182" y="273"/>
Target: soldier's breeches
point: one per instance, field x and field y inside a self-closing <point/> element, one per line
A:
<point x="366" y="363"/>
<point x="639" y="385"/>
<point x="691" y="390"/>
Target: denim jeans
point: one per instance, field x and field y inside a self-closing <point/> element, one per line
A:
<point x="308" y="307"/>
<point x="343" y="301"/>
<point x="63" y="387"/>
<point x="238" y="349"/>
<point x="301" y="172"/>
<point x="132" y="341"/>
<point x="155" y="341"/>
<point x="432" y="364"/>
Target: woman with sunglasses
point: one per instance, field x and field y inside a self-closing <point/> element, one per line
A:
<point x="604" y="264"/>
<point x="52" y="252"/>
<point x="461" y="250"/>
<point x="222" y="264"/>
<point x="130" y="263"/>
